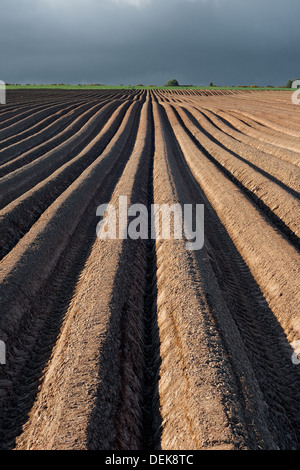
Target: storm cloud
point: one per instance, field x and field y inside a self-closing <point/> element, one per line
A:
<point x="227" y="42"/>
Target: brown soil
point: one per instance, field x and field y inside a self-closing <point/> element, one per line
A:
<point x="124" y="344"/>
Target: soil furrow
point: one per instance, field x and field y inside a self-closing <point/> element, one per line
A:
<point x="196" y="377"/>
<point x="41" y="125"/>
<point x="263" y="340"/>
<point x="285" y="155"/>
<point x="271" y="259"/>
<point x="16" y="155"/>
<point x="249" y="128"/>
<point x="24" y="178"/>
<point x="21" y="214"/>
<point x="10" y="152"/>
<point x="21" y="158"/>
<point x="141" y="342"/>
<point x="281" y="172"/>
<point x="110" y="363"/>
<point x="262" y="191"/>
<point x="29" y="121"/>
<point x="48" y="280"/>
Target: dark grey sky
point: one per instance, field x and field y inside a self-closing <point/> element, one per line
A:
<point x="228" y="42"/>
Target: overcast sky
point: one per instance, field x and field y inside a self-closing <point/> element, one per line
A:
<point x="227" y="42"/>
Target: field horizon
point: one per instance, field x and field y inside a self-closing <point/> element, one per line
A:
<point x="67" y="86"/>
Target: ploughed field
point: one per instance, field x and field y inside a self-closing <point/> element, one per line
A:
<point x="142" y="344"/>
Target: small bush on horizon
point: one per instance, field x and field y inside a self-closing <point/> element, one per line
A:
<point x="172" y="82"/>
